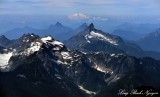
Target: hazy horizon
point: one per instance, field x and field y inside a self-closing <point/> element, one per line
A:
<point x="105" y="14"/>
<point x="90" y="7"/>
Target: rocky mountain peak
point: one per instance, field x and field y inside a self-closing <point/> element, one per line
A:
<point x="46" y="43"/>
<point x="3" y="38"/>
<point x="28" y="37"/>
<point x="4" y="41"/>
<point x="58" y="24"/>
<point x="91" y="27"/>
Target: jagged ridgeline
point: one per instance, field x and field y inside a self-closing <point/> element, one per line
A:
<point x="93" y="40"/>
<point x="44" y="67"/>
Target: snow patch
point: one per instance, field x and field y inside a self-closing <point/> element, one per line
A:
<point x="21" y="75"/>
<point x="112" y="55"/>
<point x="83" y="52"/>
<point x="4" y="58"/>
<point x="5" y="50"/>
<point x="86" y="37"/>
<point x="58" y="43"/>
<point x="58" y="76"/>
<point x="112" y="72"/>
<point x="100" y="36"/>
<point x="35" y="46"/>
<point x="60" y="62"/>
<point x="66" y="55"/>
<point x="46" y="38"/>
<point x="87" y="91"/>
<point x="100" y="69"/>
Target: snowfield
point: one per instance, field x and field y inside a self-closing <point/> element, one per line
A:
<point x="100" y="37"/>
<point x="4" y="58"/>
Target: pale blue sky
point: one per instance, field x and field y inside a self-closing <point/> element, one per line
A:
<point x="89" y="7"/>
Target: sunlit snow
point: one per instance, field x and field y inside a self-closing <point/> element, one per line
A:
<point x="112" y="55"/>
<point x="98" y="68"/>
<point x="46" y="38"/>
<point x="4" y="58"/>
<point x="35" y="46"/>
<point x="87" y="91"/>
<point x="100" y="36"/>
<point x="66" y="55"/>
<point x="58" y="43"/>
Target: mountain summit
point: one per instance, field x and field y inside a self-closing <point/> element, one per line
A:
<point x="91" y="27"/>
<point x="58" y="31"/>
<point x="58" y="24"/>
<point x="92" y="39"/>
<point x="4" y="41"/>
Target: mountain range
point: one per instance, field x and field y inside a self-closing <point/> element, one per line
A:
<point x="133" y="31"/>
<point x="47" y="68"/>
<point x="91" y="63"/>
<point x="128" y="35"/>
<point x="151" y="41"/>
<point x="58" y="31"/>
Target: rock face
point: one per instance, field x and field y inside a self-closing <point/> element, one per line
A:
<point x="47" y="68"/>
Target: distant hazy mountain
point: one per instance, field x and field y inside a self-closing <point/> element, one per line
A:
<point x="132" y="31"/>
<point x="58" y="31"/>
<point x="151" y="41"/>
<point x="81" y="28"/>
<point x="96" y="40"/>
<point x="18" y="32"/>
<point x="4" y="41"/>
<point x="128" y="35"/>
<point x="138" y="28"/>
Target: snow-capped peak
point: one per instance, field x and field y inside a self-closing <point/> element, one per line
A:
<point x="49" y="46"/>
<point x="48" y="41"/>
